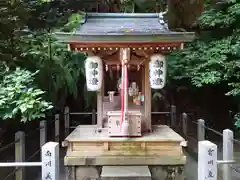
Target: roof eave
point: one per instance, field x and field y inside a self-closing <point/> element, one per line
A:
<point x="126" y="38"/>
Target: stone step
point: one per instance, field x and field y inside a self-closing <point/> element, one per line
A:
<point x="125" y="173"/>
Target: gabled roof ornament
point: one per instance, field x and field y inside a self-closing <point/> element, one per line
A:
<point x="161" y="18"/>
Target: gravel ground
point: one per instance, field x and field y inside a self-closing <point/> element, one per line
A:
<point x="191" y="168"/>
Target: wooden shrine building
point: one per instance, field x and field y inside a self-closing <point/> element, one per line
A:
<point x="126" y="59"/>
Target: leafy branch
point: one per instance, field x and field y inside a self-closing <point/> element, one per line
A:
<point x="20" y="98"/>
<point x="213" y="58"/>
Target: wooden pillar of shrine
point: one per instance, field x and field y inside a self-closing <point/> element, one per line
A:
<point x="148" y="97"/>
<point x="100" y="95"/>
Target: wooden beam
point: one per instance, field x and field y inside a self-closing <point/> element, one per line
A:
<point x="143" y="81"/>
<point x="100" y="95"/>
<point x="101" y="53"/>
<point x="114" y="60"/>
<point x="137" y="53"/>
<point x="148" y="98"/>
<point x="146" y="53"/>
<point x="78" y="44"/>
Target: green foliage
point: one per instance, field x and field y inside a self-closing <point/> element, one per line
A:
<point x="236" y="118"/>
<point x="214" y="57"/>
<point x="73" y="22"/>
<point x="210" y="62"/>
<point x="27" y="41"/>
<point x="20" y="98"/>
<point x="60" y="70"/>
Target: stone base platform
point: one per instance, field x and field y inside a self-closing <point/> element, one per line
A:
<point x="91" y="153"/>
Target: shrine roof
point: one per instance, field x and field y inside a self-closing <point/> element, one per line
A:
<point x="123" y="28"/>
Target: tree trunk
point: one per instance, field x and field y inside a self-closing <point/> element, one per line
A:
<point x="183" y="13"/>
<point x="115" y="6"/>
